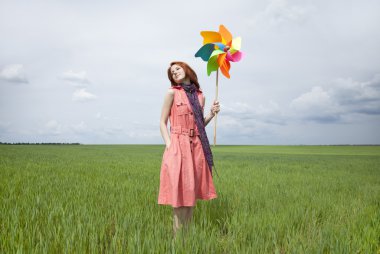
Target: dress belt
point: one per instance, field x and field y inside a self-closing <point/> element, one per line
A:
<point x="184" y="131"/>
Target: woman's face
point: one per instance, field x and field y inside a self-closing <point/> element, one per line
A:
<point x="178" y="73"/>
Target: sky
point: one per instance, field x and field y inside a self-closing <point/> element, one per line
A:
<point x="95" y="72"/>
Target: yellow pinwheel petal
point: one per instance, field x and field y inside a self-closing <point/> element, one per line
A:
<point x="226" y="35"/>
<point x="211" y="36"/>
<point x="236" y="43"/>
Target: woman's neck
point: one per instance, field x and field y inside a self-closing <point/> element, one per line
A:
<point x="186" y="81"/>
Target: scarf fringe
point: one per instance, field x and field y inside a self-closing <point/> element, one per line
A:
<point x="214" y="169"/>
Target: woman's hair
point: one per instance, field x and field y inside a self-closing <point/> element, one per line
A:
<point x="188" y="71"/>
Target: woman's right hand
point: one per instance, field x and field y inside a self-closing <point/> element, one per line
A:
<point x="215" y="108"/>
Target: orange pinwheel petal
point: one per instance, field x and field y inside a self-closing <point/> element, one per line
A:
<point x="226" y="35"/>
<point x="211" y="36"/>
<point x="221" y="59"/>
<point x="224" y="65"/>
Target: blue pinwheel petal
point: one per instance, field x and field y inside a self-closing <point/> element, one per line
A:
<point x="220" y="45"/>
<point x="205" y="51"/>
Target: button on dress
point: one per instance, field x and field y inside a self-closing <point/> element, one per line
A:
<point x="185" y="175"/>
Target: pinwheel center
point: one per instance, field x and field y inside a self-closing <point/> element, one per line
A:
<point x="226" y="48"/>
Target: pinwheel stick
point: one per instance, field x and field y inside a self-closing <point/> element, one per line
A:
<point x="216" y="98"/>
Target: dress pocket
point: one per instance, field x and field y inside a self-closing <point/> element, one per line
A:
<point x="182" y="108"/>
<point x="172" y="149"/>
<point x="168" y="148"/>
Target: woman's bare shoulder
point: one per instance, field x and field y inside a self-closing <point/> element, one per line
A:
<point x="171" y="91"/>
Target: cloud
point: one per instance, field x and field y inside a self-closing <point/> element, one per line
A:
<point x="111" y="130"/>
<point x="4" y="127"/>
<point x="77" y="78"/>
<point x="142" y="130"/>
<point x="83" y="95"/>
<point x="342" y="98"/>
<point x="358" y="97"/>
<point x="80" y="128"/>
<point x="53" y="127"/>
<point x="316" y="105"/>
<point x="242" y="122"/>
<point x="343" y="101"/>
<point x="270" y="113"/>
<point x="141" y="134"/>
<point x="56" y="128"/>
<point x="99" y="115"/>
<point x="280" y="12"/>
<point x="13" y="73"/>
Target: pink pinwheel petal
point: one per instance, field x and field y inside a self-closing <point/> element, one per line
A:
<point x="234" y="57"/>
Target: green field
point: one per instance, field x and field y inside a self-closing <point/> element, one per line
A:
<point x="272" y="199"/>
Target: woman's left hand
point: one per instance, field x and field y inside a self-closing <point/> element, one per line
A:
<point x="215" y="108"/>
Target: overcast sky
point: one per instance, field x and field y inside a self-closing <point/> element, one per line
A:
<point x="94" y="71"/>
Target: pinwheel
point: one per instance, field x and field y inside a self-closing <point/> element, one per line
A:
<point x="218" y="50"/>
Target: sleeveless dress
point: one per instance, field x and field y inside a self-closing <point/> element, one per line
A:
<point x="185" y="175"/>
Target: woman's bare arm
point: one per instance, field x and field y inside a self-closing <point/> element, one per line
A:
<point x="168" y="101"/>
<point x="210" y="115"/>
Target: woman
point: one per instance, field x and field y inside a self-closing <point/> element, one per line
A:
<point x="186" y="169"/>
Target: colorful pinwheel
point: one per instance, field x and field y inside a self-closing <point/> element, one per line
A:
<point x="219" y="48"/>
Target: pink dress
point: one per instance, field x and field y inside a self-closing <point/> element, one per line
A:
<point x="185" y="175"/>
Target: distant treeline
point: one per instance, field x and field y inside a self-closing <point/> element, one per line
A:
<point x="22" y="143"/>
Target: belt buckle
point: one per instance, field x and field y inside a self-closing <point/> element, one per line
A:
<point x="191" y="133"/>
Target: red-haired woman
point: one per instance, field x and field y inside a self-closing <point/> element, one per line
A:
<point x="187" y="162"/>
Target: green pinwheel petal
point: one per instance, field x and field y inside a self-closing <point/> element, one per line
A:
<point x="212" y="64"/>
<point x="217" y="52"/>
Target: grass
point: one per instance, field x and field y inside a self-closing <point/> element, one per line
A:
<point x="271" y="199"/>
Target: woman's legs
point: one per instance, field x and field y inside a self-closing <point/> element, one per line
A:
<point x="189" y="214"/>
<point x="181" y="216"/>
